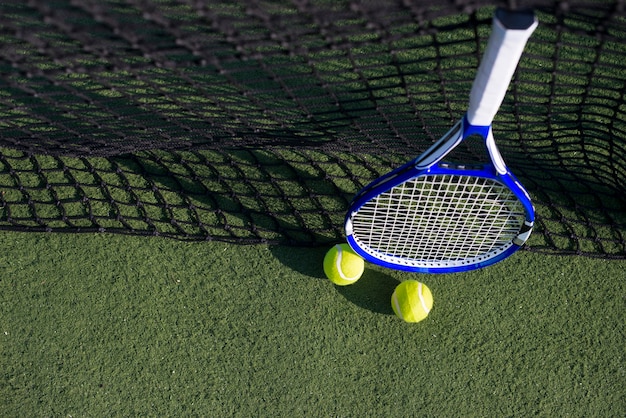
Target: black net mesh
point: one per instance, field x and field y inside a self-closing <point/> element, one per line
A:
<point x="257" y="121"/>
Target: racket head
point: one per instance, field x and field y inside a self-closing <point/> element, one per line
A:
<point x="443" y="218"/>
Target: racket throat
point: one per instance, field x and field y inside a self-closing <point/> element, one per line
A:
<point x="486" y="132"/>
<point x="494" y="153"/>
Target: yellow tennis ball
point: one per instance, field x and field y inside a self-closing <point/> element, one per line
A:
<point x="342" y="265"/>
<point x="412" y="301"/>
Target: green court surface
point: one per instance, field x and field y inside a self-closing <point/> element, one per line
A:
<point x="113" y="325"/>
<point x="109" y="325"/>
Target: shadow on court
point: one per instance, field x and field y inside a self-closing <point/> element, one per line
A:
<point x="372" y="291"/>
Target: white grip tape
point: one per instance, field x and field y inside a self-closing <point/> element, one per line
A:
<point x="504" y="49"/>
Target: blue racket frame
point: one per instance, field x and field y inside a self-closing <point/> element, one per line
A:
<point x="510" y="32"/>
<point x="495" y="170"/>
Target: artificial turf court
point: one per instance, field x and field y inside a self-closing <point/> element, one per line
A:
<point x="151" y="139"/>
<point x="108" y="325"/>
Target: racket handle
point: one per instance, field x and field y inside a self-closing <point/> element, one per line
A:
<point x="511" y="30"/>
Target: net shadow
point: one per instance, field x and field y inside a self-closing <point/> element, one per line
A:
<point x="257" y="121"/>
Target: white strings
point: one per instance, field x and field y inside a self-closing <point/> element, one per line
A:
<point x="440" y="218"/>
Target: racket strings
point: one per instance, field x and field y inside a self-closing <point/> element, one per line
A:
<point x="440" y="218"/>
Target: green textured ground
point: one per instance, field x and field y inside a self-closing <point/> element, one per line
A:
<point x="106" y="325"/>
<point x="110" y="325"/>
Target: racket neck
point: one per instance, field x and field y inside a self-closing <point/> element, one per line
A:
<point x="469" y="129"/>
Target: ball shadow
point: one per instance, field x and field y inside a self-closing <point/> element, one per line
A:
<point x="372" y="291"/>
<point x="307" y="261"/>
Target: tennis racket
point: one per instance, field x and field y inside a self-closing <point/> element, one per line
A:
<point x="436" y="214"/>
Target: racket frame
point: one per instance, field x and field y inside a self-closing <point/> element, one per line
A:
<point x="510" y="32"/>
<point x="430" y="163"/>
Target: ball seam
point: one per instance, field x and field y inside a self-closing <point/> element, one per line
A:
<point x="422" y="300"/>
<point x="338" y="264"/>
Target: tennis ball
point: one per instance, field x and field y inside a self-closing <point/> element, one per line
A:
<point x="412" y="301"/>
<point x="342" y="265"/>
